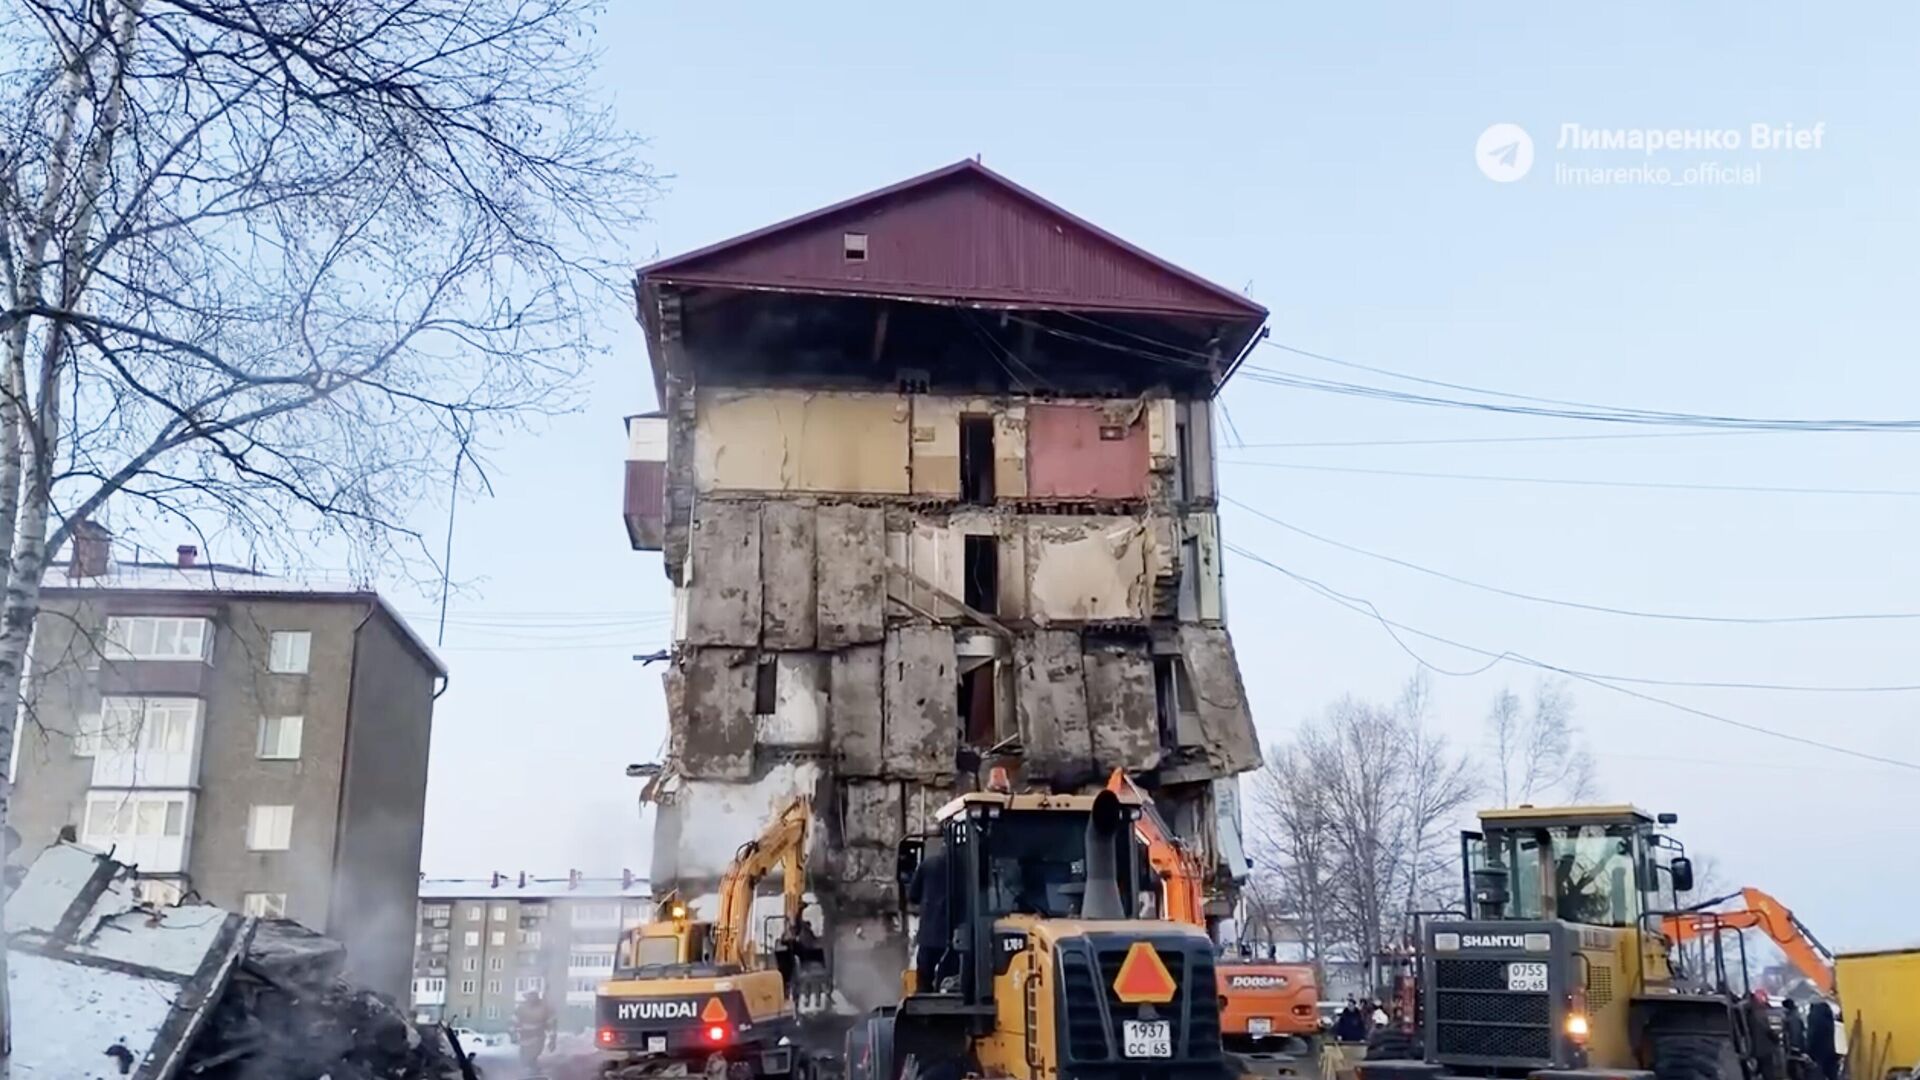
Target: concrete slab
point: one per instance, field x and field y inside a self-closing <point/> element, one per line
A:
<point x="1052" y="708"/>
<point x="723" y="600"/>
<point x="1227" y="733"/>
<point x="787" y="575"/>
<point x="1122" y="712"/>
<point x="851" y="556"/>
<point x="854" y="709"/>
<point x="922" y="728"/>
<point x="714" y="726"/>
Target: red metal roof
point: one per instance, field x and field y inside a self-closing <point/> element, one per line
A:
<point x="963" y="233"/>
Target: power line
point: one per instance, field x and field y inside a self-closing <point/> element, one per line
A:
<point x="1564" y="481"/>
<point x="1753" y="620"/>
<point x="1367" y="607"/>
<point x="1488" y="439"/>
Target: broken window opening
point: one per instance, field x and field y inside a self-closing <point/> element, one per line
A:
<point x="1172" y="697"/>
<point x="979" y="726"/>
<point x="1182" y="465"/>
<point x="982" y="590"/>
<point x="853" y="245"/>
<point x="976" y="460"/>
<point x="764" y="696"/>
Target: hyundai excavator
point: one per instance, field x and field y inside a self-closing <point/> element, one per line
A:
<point x="1265" y="1005"/>
<point x="689" y="995"/>
<point x="1060" y="974"/>
<point x="1758" y="911"/>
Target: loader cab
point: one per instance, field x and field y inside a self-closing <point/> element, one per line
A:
<point x="1590" y="866"/>
<point x="1038" y="856"/>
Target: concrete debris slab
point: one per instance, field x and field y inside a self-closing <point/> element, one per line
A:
<point x="1120" y="699"/>
<point x="854" y="709"/>
<point x="921" y="692"/>
<point x="873" y="814"/>
<point x="723" y="606"/>
<point x="715" y="735"/>
<point x="104" y="986"/>
<point x="1227" y="734"/>
<point x="704" y="822"/>
<point x="787" y="575"/>
<point x="1052" y="706"/>
<point x="851" y="553"/>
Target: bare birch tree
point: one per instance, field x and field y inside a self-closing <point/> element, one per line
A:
<point x="1537" y="752"/>
<point x="274" y="268"/>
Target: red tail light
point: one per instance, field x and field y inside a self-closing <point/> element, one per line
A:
<point x="716" y="1033"/>
<point x="605" y="1037"/>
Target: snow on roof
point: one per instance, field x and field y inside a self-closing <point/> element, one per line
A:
<point x="510" y="888"/>
<point x="209" y="577"/>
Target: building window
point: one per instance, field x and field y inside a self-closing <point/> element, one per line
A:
<point x="280" y="737"/>
<point x="422" y="987"/>
<point x="156" y="892"/>
<point x="853" y="246"/>
<point x="530" y="937"/>
<point x="120" y="820"/>
<point x="156" y="637"/>
<point x="584" y="986"/>
<point x="287" y="651"/>
<point x="473" y="912"/>
<point x="596" y="914"/>
<point x="499" y="913"/>
<point x="495" y="963"/>
<point x="981" y="556"/>
<point x="473" y="939"/>
<point x="471" y="963"/>
<point x="436" y="911"/>
<point x="267" y="905"/>
<point x="976" y="460"/>
<point x="269" y="828"/>
<point x="593" y="961"/>
<point x="493" y="1012"/>
<point x="493" y="986"/>
<point x="765" y="687"/>
<point x="530" y="984"/>
<point x="467" y="986"/>
<point x="498" y="938"/>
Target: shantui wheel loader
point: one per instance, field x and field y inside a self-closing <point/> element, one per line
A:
<point x="1563" y="970"/>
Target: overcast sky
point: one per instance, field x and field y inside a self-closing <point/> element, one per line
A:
<point x="1323" y="158"/>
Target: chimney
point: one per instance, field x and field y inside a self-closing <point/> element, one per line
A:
<point x="523" y="879"/>
<point x="187" y="553"/>
<point x="92" y="552"/>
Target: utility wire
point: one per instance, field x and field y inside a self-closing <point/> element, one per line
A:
<point x="1489" y="439"/>
<point x="1753" y="620"/>
<point x="1564" y="481"/>
<point x="1366" y="607"/>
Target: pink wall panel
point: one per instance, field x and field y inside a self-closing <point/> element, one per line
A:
<point x="1068" y="459"/>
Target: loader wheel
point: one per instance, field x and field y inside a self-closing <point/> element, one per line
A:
<point x="1695" y="1057"/>
<point x="1394" y="1044"/>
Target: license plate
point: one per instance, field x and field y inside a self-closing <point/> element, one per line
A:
<point x="1259" y="1025"/>
<point x="1146" y="1038"/>
<point x="1527" y="977"/>
<point x="656" y="1044"/>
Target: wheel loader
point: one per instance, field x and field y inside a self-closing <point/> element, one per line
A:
<point x="1058" y="976"/>
<point x="1562" y="969"/>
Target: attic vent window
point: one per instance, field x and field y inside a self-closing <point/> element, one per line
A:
<point x="854" y="246"/>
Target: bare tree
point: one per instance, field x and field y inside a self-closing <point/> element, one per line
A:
<point x="277" y="268"/>
<point x="1538" y="753"/>
<point x="1353" y="813"/>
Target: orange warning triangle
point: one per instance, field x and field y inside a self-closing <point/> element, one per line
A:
<point x="714" y="1013"/>
<point x="1143" y="977"/>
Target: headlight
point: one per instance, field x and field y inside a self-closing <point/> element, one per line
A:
<point x="1577" y="1025"/>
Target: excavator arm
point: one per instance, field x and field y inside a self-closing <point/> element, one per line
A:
<point x="1758" y="911"/>
<point x="783" y="844"/>
<point x="1179" y="871"/>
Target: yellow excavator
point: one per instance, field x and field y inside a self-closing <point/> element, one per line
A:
<point x="1058" y="976"/>
<point x="689" y="995"/>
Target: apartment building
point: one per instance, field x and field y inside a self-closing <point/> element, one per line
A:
<point x="483" y="943"/>
<point x="256" y="740"/>
<point x="934" y="472"/>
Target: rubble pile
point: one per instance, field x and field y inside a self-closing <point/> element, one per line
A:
<point x="105" y="985"/>
<point x="286" y="1013"/>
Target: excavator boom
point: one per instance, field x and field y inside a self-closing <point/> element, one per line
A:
<point x="784" y="845"/>
<point x="1762" y="912"/>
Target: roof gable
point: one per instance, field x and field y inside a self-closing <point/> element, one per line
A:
<point x="961" y="234"/>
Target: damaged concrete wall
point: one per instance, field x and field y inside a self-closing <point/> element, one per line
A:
<point x="787" y="574"/>
<point x="1052" y="706"/>
<point x="702" y="823"/>
<point x="801" y="441"/>
<point x="710" y="691"/>
<point x="1226" y="733"/>
<point x="1087" y="569"/>
<point x="1120" y="705"/>
<point x="799" y="717"/>
<point x="851" y="589"/>
<point x="855" y="709"/>
<point x="921" y="731"/>
<point x="723" y="604"/>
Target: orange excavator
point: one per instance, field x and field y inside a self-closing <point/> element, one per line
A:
<point x="1264" y="1004"/>
<point x="1758" y="911"/>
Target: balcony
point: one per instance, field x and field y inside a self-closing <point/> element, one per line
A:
<point x="646" y="494"/>
<point x="149" y="829"/>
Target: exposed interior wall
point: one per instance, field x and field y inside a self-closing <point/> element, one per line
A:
<point x="801" y="441"/>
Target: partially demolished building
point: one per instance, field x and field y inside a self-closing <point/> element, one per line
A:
<point x="933" y="472"/>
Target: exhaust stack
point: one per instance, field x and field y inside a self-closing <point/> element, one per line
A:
<point x="1104" y="825"/>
